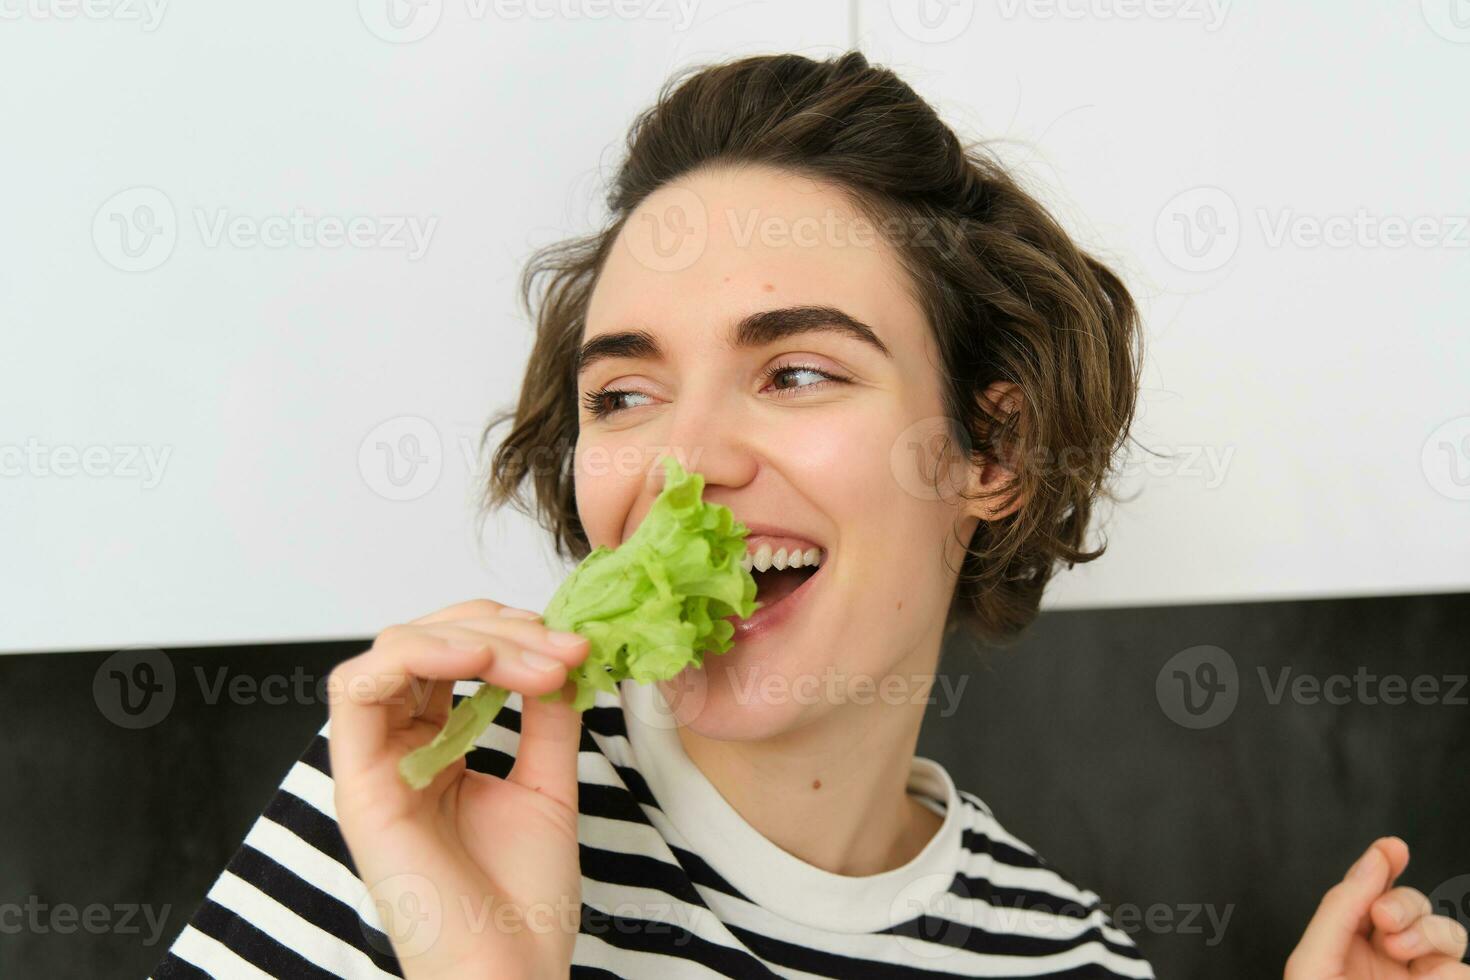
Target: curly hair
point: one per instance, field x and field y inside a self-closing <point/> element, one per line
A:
<point x="1008" y="293"/>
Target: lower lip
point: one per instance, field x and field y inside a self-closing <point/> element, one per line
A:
<point x="769" y="617"/>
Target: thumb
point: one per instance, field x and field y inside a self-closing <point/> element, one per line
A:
<point x="1343" y="914"/>
<point x="551" y="734"/>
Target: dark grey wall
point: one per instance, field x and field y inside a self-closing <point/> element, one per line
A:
<point x="1070" y="740"/>
<point x="1068" y="736"/>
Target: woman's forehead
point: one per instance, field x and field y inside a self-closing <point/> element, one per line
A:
<point x="700" y="255"/>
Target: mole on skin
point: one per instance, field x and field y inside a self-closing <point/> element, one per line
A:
<point x="816" y="784"/>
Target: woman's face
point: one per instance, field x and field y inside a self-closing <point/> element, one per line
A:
<point x="801" y="424"/>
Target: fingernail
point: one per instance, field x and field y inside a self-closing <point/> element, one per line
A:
<point x="566" y="639"/>
<point x="510" y="612"/>
<point x="1365" y="866"/>
<point x="539" y="661"/>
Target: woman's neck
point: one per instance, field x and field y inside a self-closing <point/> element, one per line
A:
<point x="832" y="793"/>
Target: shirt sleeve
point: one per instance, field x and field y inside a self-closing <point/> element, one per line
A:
<point x="289" y="902"/>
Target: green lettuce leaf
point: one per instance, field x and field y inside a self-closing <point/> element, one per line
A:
<point x="649" y="608"/>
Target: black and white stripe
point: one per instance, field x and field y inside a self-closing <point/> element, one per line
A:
<point x="290" y="903"/>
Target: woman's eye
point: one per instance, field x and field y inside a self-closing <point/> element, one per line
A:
<point x="606" y="401"/>
<point x="781" y="371"/>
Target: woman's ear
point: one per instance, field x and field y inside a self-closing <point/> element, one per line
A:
<point x="996" y="471"/>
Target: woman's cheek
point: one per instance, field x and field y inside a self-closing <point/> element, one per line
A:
<point x="833" y="443"/>
<point x="606" y="486"/>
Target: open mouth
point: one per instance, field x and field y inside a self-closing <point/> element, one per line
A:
<point x="775" y="584"/>
<point x="779" y="592"/>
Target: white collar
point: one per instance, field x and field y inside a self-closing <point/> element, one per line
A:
<point x="762" y="871"/>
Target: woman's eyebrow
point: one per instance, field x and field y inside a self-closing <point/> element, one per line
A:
<point x="754" y="330"/>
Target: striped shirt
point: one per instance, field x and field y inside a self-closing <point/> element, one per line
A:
<point x="675" y="883"/>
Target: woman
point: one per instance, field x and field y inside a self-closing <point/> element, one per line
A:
<point x="901" y="374"/>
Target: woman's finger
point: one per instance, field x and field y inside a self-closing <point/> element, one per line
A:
<point x="551" y="734"/>
<point x="1343" y="912"/>
<point x="1439" y="968"/>
<point x="475" y="608"/>
<point x="526" y="657"/>
<point x="570" y="648"/>
<point x="526" y="663"/>
<point x="440" y="697"/>
<point x="1431" y="935"/>
<point x="1399" y="908"/>
<point x="374" y="692"/>
<point x="546" y="759"/>
<point x="410" y="670"/>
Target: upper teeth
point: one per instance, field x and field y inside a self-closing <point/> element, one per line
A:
<point x="763" y="559"/>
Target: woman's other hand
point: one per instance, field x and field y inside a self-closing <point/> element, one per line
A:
<point x="1366" y="929"/>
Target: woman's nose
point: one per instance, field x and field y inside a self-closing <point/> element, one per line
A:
<point x="715" y="440"/>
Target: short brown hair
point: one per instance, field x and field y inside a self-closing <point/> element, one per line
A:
<point x="1010" y="297"/>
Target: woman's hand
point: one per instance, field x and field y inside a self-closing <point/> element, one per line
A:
<point x="1367" y="930"/>
<point x="472" y="875"/>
